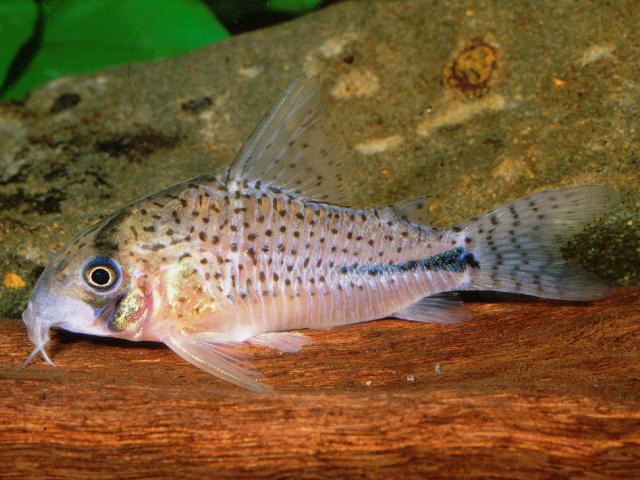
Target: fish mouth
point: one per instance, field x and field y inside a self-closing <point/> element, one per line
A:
<point x="38" y="331"/>
<point x="39" y="326"/>
<point x="37" y="322"/>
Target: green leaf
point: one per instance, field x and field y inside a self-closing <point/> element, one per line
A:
<point x="293" y="6"/>
<point x="17" y="19"/>
<point x="88" y="35"/>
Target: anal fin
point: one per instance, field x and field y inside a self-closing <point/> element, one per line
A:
<point x="435" y="309"/>
<point x="216" y="359"/>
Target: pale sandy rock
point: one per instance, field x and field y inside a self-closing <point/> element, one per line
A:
<point x="596" y="53"/>
<point x="457" y="111"/>
<point x="511" y="169"/>
<point x="379" y="145"/>
<point x="356" y="83"/>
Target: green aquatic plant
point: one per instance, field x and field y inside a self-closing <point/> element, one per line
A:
<point x="78" y="36"/>
<point x="45" y="39"/>
<point x="293" y="6"/>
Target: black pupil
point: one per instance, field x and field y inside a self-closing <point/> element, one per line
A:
<point x="101" y="276"/>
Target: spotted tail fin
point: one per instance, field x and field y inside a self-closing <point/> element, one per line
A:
<point x="518" y="247"/>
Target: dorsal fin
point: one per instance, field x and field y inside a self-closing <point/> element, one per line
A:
<point x="414" y="210"/>
<point x="288" y="152"/>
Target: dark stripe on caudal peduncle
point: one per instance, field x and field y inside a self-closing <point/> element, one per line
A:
<point x="455" y="260"/>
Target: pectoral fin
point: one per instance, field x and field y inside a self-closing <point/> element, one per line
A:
<point x="216" y="359"/>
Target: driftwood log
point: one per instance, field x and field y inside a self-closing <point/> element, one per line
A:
<point x="528" y="389"/>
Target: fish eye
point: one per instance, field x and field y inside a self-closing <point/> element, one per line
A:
<point x="102" y="273"/>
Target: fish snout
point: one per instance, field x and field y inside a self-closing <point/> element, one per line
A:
<point x="38" y="331"/>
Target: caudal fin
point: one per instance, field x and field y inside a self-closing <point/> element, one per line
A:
<point x="518" y="247"/>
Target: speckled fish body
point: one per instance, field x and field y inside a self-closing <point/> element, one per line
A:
<point x="241" y="261"/>
<point x="263" y="248"/>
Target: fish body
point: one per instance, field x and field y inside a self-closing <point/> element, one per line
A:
<point x="264" y="248"/>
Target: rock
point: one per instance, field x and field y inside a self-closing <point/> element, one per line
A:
<point x="511" y="169"/>
<point x="356" y="83"/>
<point x="375" y="146"/>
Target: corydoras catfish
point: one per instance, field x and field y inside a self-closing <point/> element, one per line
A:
<point x="266" y="247"/>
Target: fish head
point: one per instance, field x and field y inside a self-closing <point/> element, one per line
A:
<point x="92" y="287"/>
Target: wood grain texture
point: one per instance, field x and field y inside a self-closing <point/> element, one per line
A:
<point x="528" y="389"/>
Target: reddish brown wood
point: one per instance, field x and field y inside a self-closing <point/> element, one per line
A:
<point x="528" y="389"/>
